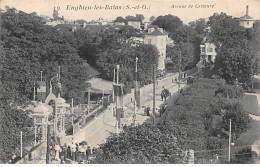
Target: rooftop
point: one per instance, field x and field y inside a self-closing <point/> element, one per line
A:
<point x="156" y="32"/>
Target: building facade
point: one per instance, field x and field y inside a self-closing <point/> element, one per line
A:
<point x="246" y="20"/>
<point x="135" y="24"/>
<point x="207" y="53"/>
<point x="157" y="37"/>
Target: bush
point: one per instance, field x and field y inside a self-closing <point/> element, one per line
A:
<point x="141" y="144"/>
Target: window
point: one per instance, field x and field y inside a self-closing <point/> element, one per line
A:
<point x="209" y="49"/>
<point x="202" y="49"/>
<point x="38" y="120"/>
<point x="161" y="42"/>
<point x="248" y="23"/>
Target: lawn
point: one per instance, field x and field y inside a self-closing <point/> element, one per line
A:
<point x="250" y="136"/>
<point x="250" y="104"/>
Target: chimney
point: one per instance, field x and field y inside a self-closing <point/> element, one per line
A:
<point x="247" y="10"/>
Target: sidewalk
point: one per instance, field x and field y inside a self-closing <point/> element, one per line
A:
<point x="256" y="144"/>
<point x="100" y="135"/>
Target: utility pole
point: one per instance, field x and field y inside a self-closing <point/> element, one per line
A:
<point x="134" y="116"/>
<point x="72" y="117"/>
<point x="41" y="76"/>
<point x="114" y="81"/>
<point x="229" y="141"/>
<point x="117" y="74"/>
<point x="88" y="100"/>
<point x="102" y="95"/>
<point x="59" y="74"/>
<point x="179" y="84"/>
<point x="137" y="86"/>
<point x="35" y="134"/>
<point x="48" y="145"/>
<point x="118" y="98"/>
<point x="154" y="83"/>
<point x="34" y="91"/>
<point x="21" y="144"/>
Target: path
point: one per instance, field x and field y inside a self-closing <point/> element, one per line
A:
<point x="256" y="144"/>
<point x="100" y="135"/>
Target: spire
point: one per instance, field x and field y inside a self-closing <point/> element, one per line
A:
<point x="247" y="10"/>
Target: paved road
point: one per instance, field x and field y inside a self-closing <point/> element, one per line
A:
<point x="256" y="144"/>
<point x="99" y="135"/>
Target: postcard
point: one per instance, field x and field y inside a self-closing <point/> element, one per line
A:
<point x="130" y="82"/>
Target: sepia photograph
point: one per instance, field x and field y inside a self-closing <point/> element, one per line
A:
<point x="129" y="82"/>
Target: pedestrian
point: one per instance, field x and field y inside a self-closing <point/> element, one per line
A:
<point x="181" y="90"/>
<point x="52" y="151"/>
<point x="73" y="151"/>
<point x="65" y="151"/>
<point x="82" y="151"/>
<point x="176" y="80"/>
<point x="145" y="111"/>
<point x="77" y="152"/>
<point x="61" y="152"/>
<point x="162" y="94"/>
<point x="148" y="111"/>
<point x="88" y="152"/>
<point x="69" y="152"/>
<point x="57" y="152"/>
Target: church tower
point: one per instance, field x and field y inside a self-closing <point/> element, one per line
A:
<point x="55" y="14"/>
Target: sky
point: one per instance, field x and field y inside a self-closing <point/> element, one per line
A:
<point x="186" y="10"/>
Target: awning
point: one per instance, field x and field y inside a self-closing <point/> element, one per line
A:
<point x="99" y="84"/>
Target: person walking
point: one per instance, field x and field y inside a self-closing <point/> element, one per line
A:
<point x="88" y="151"/>
<point x="69" y="152"/>
<point x="148" y="111"/>
<point x="73" y="151"/>
<point x="57" y="152"/>
<point x="65" y="151"/>
<point x="77" y="152"/>
<point x="82" y="151"/>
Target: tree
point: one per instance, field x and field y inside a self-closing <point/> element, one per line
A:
<point x="140" y="17"/>
<point x="125" y="57"/>
<point x="199" y="26"/>
<point x="187" y="55"/>
<point x="239" y="118"/>
<point x="31" y="47"/>
<point x="120" y="19"/>
<point x="236" y="59"/>
<point x="169" y="23"/>
<point x="152" y="18"/>
<point x="141" y="144"/>
<point x="12" y="122"/>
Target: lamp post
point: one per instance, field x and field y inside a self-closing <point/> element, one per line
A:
<point x="137" y="86"/>
<point x="51" y="80"/>
<point x="179" y="62"/>
<point x="229" y="141"/>
<point x="55" y="120"/>
<point x="21" y="143"/>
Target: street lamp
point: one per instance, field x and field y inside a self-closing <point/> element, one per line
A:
<point x="55" y="120"/>
<point x="51" y="80"/>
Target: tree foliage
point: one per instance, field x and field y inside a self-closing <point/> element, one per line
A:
<point x="141" y="144"/>
<point x="28" y="46"/>
<point x="237" y="58"/>
<point x="31" y="47"/>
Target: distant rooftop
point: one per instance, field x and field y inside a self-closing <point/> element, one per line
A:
<point x="246" y="16"/>
<point x="155" y="31"/>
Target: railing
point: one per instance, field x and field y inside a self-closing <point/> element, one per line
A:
<point x="94" y="111"/>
